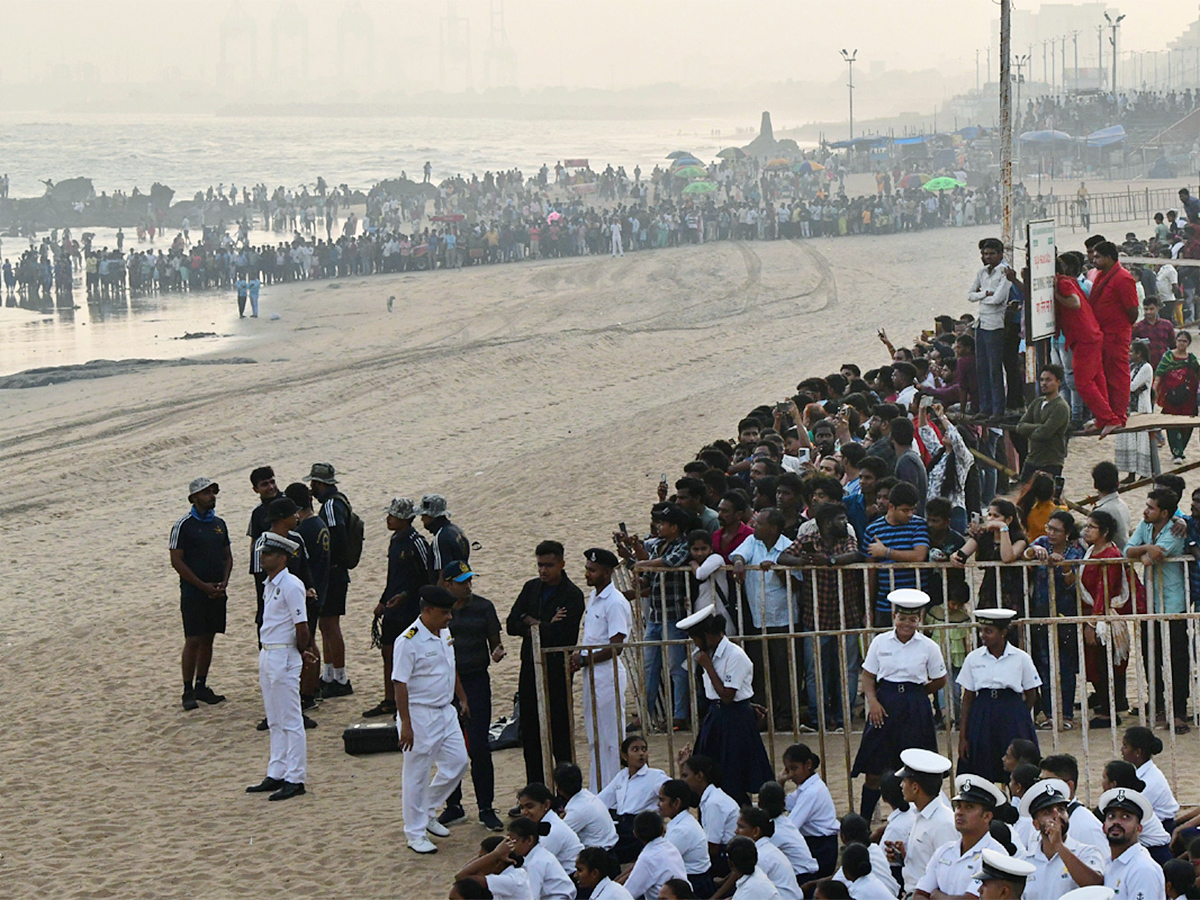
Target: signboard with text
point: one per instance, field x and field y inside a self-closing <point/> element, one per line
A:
<point x="1041" y="322"/>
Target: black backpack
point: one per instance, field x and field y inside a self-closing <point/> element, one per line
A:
<point x="355" y="535"/>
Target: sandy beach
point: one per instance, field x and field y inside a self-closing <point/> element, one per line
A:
<point x="543" y="399"/>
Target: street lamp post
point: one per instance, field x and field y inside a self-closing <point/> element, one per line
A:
<point x="1114" y="24"/>
<point x="849" y="58"/>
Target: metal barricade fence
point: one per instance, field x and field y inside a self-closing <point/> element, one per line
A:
<point x="1147" y="642"/>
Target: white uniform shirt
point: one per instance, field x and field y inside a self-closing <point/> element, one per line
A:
<point x="283" y="609"/>
<point x="561" y="841"/>
<point x="756" y="886"/>
<point x="1157" y="791"/>
<point x="718" y="815"/>
<point x="588" y="817"/>
<point x="787" y="837"/>
<point x="547" y="880"/>
<point x="511" y="884"/>
<point x="735" y="670"/>
<point x="776" y="866"/>
<point x="915" y="661"/>
<point x="1153" y="834"/>
<point x="610" y="890"/>
<point x="899" y="825"/>
<point x="811" y="808"/>
<point x="1012" y="670"/>
<point x="881" y="872"/>
<point x="608" y="613"/>
<point x="689" y="839"/>
<point x="1052" y="880"/>
<point x="868" y="887"/>
<point x="951" y="871"/>
<point x="932" y="827"/>
<point x="1134" y="875"/>
<point x="1087" y="829"/>
<point x="659" y="861"/>
<point x="425" y="662"/>
<point x="629" y="795"/>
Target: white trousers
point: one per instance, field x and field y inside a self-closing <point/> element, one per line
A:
<point x="437" y="739"/>
<point x="617" y="246"/>
<point x="610" y="718"/>
<point x="279" y="676"/>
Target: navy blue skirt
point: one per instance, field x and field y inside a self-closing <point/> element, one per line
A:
<point x="909" y="723"/>
<point x="729" y="735"/>
<point x="997" y="718"/>
<point x="825" y="851"/>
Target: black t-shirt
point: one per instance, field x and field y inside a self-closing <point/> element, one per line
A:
<point x="316" y="543"/>
<point x="470" y="628"/>
<point x="203" y="545"/>
<point x="258" y="524"/>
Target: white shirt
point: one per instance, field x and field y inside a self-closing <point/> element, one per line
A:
<point x="1134" y="875"/>
<point x="915" y="661"/>
<point x="511" y="884"/>
<point x="1165" y="280"/>
<point x="904" y="399"/>
<point x="561" y="841"/>
<point x="588" y="817"/>
<point x="811" y="809"/>
<point x="776" y="866"/>
<point x="1012" y="670"/>
<point x="610" y="890"/>
<point x="932" y="827"/>
<point x="756" y="886"/>
<point x="869" y="887"/>
<point x="608" y="613"/>
<point x="791" y="842"/>
<point x="1153" y="834"/>
<point x="1087" y="829"/>
<point x="283" y="608"/>
<point x="899" y="825"/>
<point x="1157" y="791"/>
<point x="775" y="599"/>
<point x="718" y="815"/>
<point x="547" y="879"/>
<point x="881" y="872"/>
<point x="1051" y="879"/>
<point x="425" y="662"/>
<point x="629" y="795"/>
<point x="991" y="309"/>
<point x="659" y="861"/>
<point x="734" y="668"/>
<point x="951" y="871"/>
<point x="689" y="839"/>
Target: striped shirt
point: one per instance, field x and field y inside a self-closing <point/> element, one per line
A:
<point x="895" y="537"/>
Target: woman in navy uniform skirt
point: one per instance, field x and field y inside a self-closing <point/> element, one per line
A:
<point x="1000" y="687"/>
<point x="729" y="733"/>
<point x="902" y="669"/>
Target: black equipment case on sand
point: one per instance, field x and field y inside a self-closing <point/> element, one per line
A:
<point x="371" y="737"/>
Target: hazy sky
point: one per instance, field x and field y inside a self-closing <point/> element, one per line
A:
<point x="616" y="43"/>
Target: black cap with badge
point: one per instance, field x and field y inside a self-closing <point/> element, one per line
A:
<point x="601" y="557"/>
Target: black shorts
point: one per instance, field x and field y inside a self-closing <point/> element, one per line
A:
<point x="202" y="616"/>
<point x="392" y="626"/>
<point x="335" y="598"/>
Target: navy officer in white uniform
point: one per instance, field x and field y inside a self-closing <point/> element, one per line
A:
<point x="1133" y="873"/>
<point x="608" y="620"/>
<point x="951" y="870"/>
<point x="284" y="630"/>
<point x="1061" y="861"/>
<point x="1001" y="877"/>
<point x="426" y="683"/>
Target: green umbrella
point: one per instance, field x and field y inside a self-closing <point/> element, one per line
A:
<point x="942" y="183"/>
<point x="700" y="187"/>
<point x="690" y="172"/>
<point x="732" y="153"/>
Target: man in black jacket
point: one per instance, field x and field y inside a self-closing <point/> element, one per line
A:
<point x="554" y="601"/>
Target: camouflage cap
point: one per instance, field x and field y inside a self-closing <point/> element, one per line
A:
<point x="401" y="508"/>
<point x="433" y="505"/>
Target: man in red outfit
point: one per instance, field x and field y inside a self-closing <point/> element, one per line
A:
<point x="1114" y="302"/>
<point x="1078" y="326"/>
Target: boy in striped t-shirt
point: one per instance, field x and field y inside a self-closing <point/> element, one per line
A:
<point x="899" y="536"/>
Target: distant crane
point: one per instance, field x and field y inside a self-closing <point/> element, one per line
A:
<point x="356" y="36"/>
<point x="500" y="58"/>
<point x="292" y="25"/>
<point x="240" y="30"/>
<point x="455" y="43"/>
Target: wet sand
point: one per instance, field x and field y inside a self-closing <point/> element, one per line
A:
<point x="543" y="399"/>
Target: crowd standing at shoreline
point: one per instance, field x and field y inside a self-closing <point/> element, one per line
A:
<point x="855" y="465"/>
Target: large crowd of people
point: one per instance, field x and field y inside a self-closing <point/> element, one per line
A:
<point x="934" y="456"/>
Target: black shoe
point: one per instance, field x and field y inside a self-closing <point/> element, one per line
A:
<point x="380" y="709"/>
<point x="336" y="688"/>
<point x="308" y="701"/>
<point x="326" y="688"/>
<point x="308" y="723"/>
<point x="515" y="812"/>
<point x="452" y="816"/>
<point x="189" y="700"/>
<point x="205" y="694"/>
<point x="263" y="725"/>
<point x="489" y="820"/>
<point x="288" y="791"/>
<point x="266" y="785"/>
